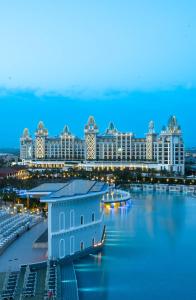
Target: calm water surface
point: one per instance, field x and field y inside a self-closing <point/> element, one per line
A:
<point x="149" y="253"/>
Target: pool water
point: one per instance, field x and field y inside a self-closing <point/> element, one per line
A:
<point x="149" y="252"/>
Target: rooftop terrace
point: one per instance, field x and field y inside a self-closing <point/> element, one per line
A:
<point x="74" y="188"/>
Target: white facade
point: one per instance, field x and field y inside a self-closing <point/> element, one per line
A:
<point x="75" y="221"/>
<point x="165" y="150"/>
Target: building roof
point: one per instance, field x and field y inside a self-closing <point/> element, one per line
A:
<point x="10" y="171"/>
<point x="76" y="188"/>
<point x="7" y="171"/>
<point x="47" y="188"/>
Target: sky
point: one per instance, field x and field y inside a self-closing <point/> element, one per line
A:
<point x="122" y="60"/>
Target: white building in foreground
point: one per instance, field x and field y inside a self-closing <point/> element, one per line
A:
<point x="75" y="220"/>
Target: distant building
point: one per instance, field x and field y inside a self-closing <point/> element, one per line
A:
<point x="75" y="221"/>
<point x="14" y="172"/>
<point x="64" y="147"/>
<point x="164" y="151"/>
<point x="190" y="161"/>
<point x="8" y="158"/>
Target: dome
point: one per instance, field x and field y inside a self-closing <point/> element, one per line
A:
<point x="91" y="125"/>
<point x="151" y="127"/>
<point x="25" y="133"/>
<point x="41" y="129"/>
<point x="91" y="120"/>
<point x="40" y="125"/>
<point x="172" y="124"/>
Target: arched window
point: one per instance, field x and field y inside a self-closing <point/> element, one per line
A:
<point x="72" y="218"/>
<point x="93" y="217"/>
<point x="81" y="246"/>
<point x="61" y="220"/>
<point x="61" y="248"/>
<point x="72" y="245"/>
<point x="81" y="220"/>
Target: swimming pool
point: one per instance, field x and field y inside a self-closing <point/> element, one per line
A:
<point x="149" y="252"/>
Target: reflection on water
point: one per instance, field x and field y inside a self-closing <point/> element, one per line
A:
<point x="149" y="252"/>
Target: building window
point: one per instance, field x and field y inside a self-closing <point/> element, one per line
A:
<point x="61" y="220"/>
<point x="93" y="241"/>
<point x="61" y="248"/>
<point x="81" y="246"/>
<point x="93" y="217"/>
<point x="72" y="245"/>
<point x="72" y="218"/>
<point x="81" y="220"/>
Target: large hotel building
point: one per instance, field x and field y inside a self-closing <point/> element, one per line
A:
<point x="164" y="151"/>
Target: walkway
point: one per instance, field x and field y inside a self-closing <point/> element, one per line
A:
<point x="21" y="251"/>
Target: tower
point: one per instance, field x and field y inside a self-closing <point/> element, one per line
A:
<point x="91" y="131"/>
<point x="150" y="138"/>
<point x="172" y="146"/>
<point x="67" y="144"/>
<point x="26" y="145"/>
<point x="40" y="141"/>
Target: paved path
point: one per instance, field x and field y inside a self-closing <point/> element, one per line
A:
<point x="21" y="251"/>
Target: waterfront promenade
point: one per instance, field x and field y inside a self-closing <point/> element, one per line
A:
<point x="157" y="227"/>
<point x="21" y="251"/>
<point x="180" y="188"/>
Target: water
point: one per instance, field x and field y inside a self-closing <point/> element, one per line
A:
<point x="149" y="253"/>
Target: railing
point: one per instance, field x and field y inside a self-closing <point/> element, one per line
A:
<point x="116" y="195"/>
<point x="166" y="187"/>
<point x="78" y="227"/>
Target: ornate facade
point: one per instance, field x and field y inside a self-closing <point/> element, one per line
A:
<point x="165" y="149"/>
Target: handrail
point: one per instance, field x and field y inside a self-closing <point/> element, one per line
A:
<point x="78" y="227"/>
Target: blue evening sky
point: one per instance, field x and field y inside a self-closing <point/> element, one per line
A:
<point x="121" y="60"/>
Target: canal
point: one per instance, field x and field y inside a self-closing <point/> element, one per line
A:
<point x="149" y="253"/>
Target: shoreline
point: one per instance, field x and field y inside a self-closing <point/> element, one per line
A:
<point x="162" y="187"/>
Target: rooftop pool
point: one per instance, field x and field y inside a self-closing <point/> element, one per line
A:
<point x="149" y="252"/>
